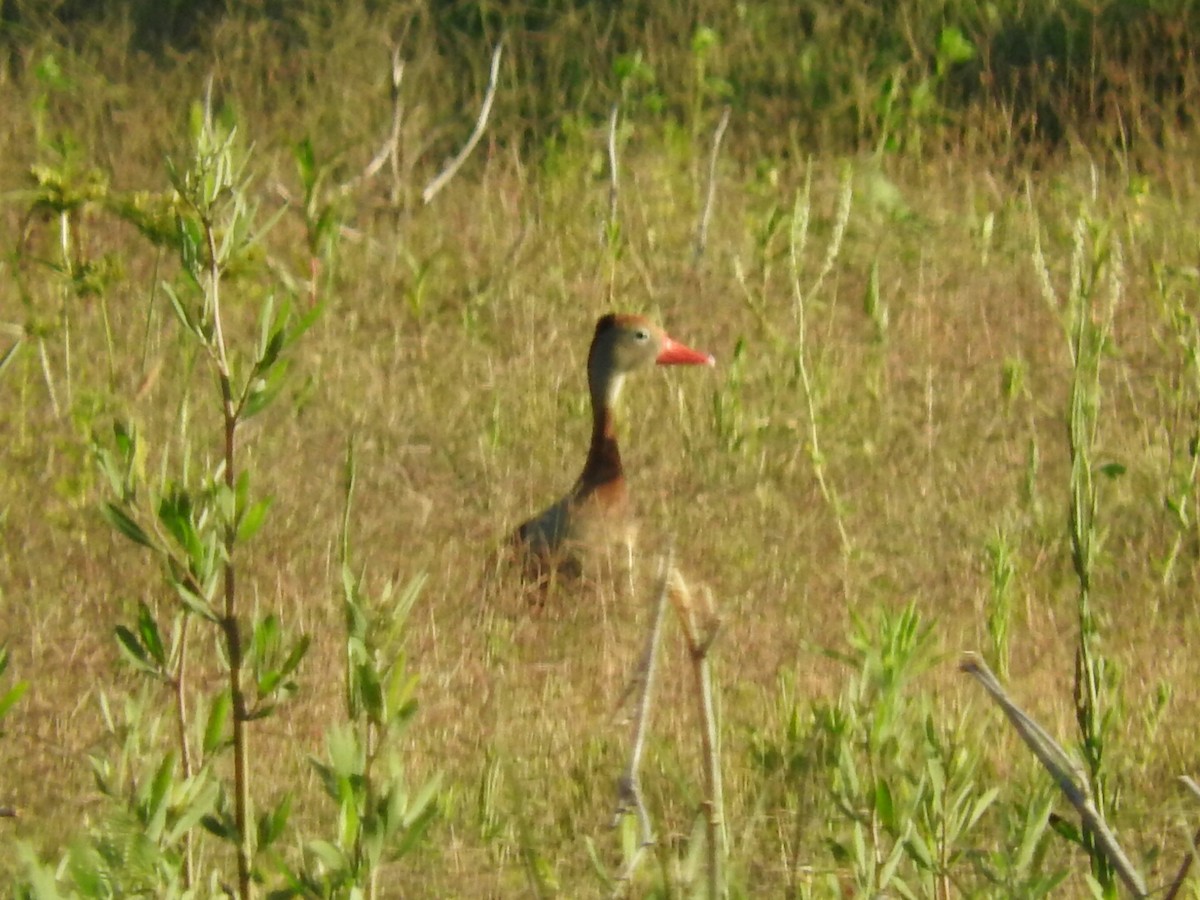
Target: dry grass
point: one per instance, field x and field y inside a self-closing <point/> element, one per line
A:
<point x="470" y="413"/>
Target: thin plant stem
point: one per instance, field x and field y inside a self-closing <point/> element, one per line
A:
<point x="799" y="238"/>
<point x="710" y="194"/>
<point x="179" y="686"/>
<point x="699" y="637"/>
<point x="229" y="622"/>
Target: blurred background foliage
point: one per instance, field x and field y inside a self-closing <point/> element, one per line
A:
<point x="808" y="75"/>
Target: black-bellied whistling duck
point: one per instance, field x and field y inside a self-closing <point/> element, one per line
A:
<point x="595" y="514"/>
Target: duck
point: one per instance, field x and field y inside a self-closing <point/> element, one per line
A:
<point x="595" y="516"/>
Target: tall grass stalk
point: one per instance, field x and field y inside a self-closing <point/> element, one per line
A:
<point x="1094" y="289"/>
<point x="802" y="297"/>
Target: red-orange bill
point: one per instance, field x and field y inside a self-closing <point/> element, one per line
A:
<point x="674" y="353"/>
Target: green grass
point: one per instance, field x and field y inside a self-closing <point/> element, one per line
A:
<point x="452" y="349"/>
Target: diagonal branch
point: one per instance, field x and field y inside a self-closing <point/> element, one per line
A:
<point x="711" y="195"/>
<point x="443" y="177"/>
<point x="629" y="791"/>
<point x="1062" y="769"/>
<point x="390" y="147"/>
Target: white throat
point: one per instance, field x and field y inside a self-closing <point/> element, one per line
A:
<point x="614" y="389"/>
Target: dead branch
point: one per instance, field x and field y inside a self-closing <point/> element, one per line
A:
<point x="629" y="791"/>
<point x="1066" y="773"/>
<point x="610" y="229"/>
<point x="711" y="194"/>
<point x="389" y="149"/>
<point x="700" y="629"/>
<point x="1190" y="854"/>
<point x="443" y="177"/>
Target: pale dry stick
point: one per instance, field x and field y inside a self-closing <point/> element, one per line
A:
<point x="1062" y="769"/>
<point x="389" y="150"/>
<point x="1190" y="854"/>
<point x="613" y="175"/>
<point x="700" y="637"/>
<point x="443" y="177"/>
<point x="711" y="194"/>
<point x="629" y="791"/>
<point x="397" y="119"/>
<point x="49" y="379"/>
<point x="11" y="353"/>
<point x="611" y="228"/>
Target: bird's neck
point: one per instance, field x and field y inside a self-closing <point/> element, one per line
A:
<point x="604" y="456"/>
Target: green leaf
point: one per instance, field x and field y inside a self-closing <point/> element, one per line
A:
<point x="981" y="806"/>
<point x="253" y="518"/>
<point x="134" y="652"/>
<point x="884" y="806"/>
<point x="157" y="800"/>
<point x="181" y="313"/>
<point x="704" y="40"/>
<point x="306" y="162"/>
<point x="327" y="853"/>
<point x="294" y="658"/>
<point x="201" y="805"/>
<point x="425" y="798"/>
<point x="266" y="637"/>
<point x="417" y="824"/>
<point x="151" y="640"/>
<point x="272" y="824"/>
<point x="304" y="323"/>
<point x="218" y="719"/>
<point x="176" y="511"/>
<point x="370" y="691"/>
<point x="263" y="390"/>
<point x="954" y="47"/>
<point x="195" y="603"/>
<point x="220" y="825"/>
<point x="271" y="350"/>
<point x="10" y="698"/>
<point x="121" y="521"/>
<point x="1066" y="829"/>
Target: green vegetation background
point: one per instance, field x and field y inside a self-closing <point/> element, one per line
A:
<point x="909" y="447"/>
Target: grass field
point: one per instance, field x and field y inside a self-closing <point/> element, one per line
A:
<point x="907" y="290"/>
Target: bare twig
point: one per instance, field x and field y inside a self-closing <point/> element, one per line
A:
<point x="1190" y="854"/>
<point x="711" y="194"/>
<point x="485" y="110"/>
<point x="700" y="629"/>
<point x="390" y="148"/>
<point x="629" y="791"/>
<point x="11" y="353"/>
<point x="1067" y="774"/>
<point x="610" y="227"/>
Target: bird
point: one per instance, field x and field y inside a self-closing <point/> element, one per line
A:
<point x="595" y="515"/>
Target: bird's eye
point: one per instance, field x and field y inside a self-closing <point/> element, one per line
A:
<point x="641" y="335"/>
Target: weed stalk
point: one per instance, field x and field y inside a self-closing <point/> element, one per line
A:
<point x="799" y="239"/>
<point x="1096" y="266"/>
